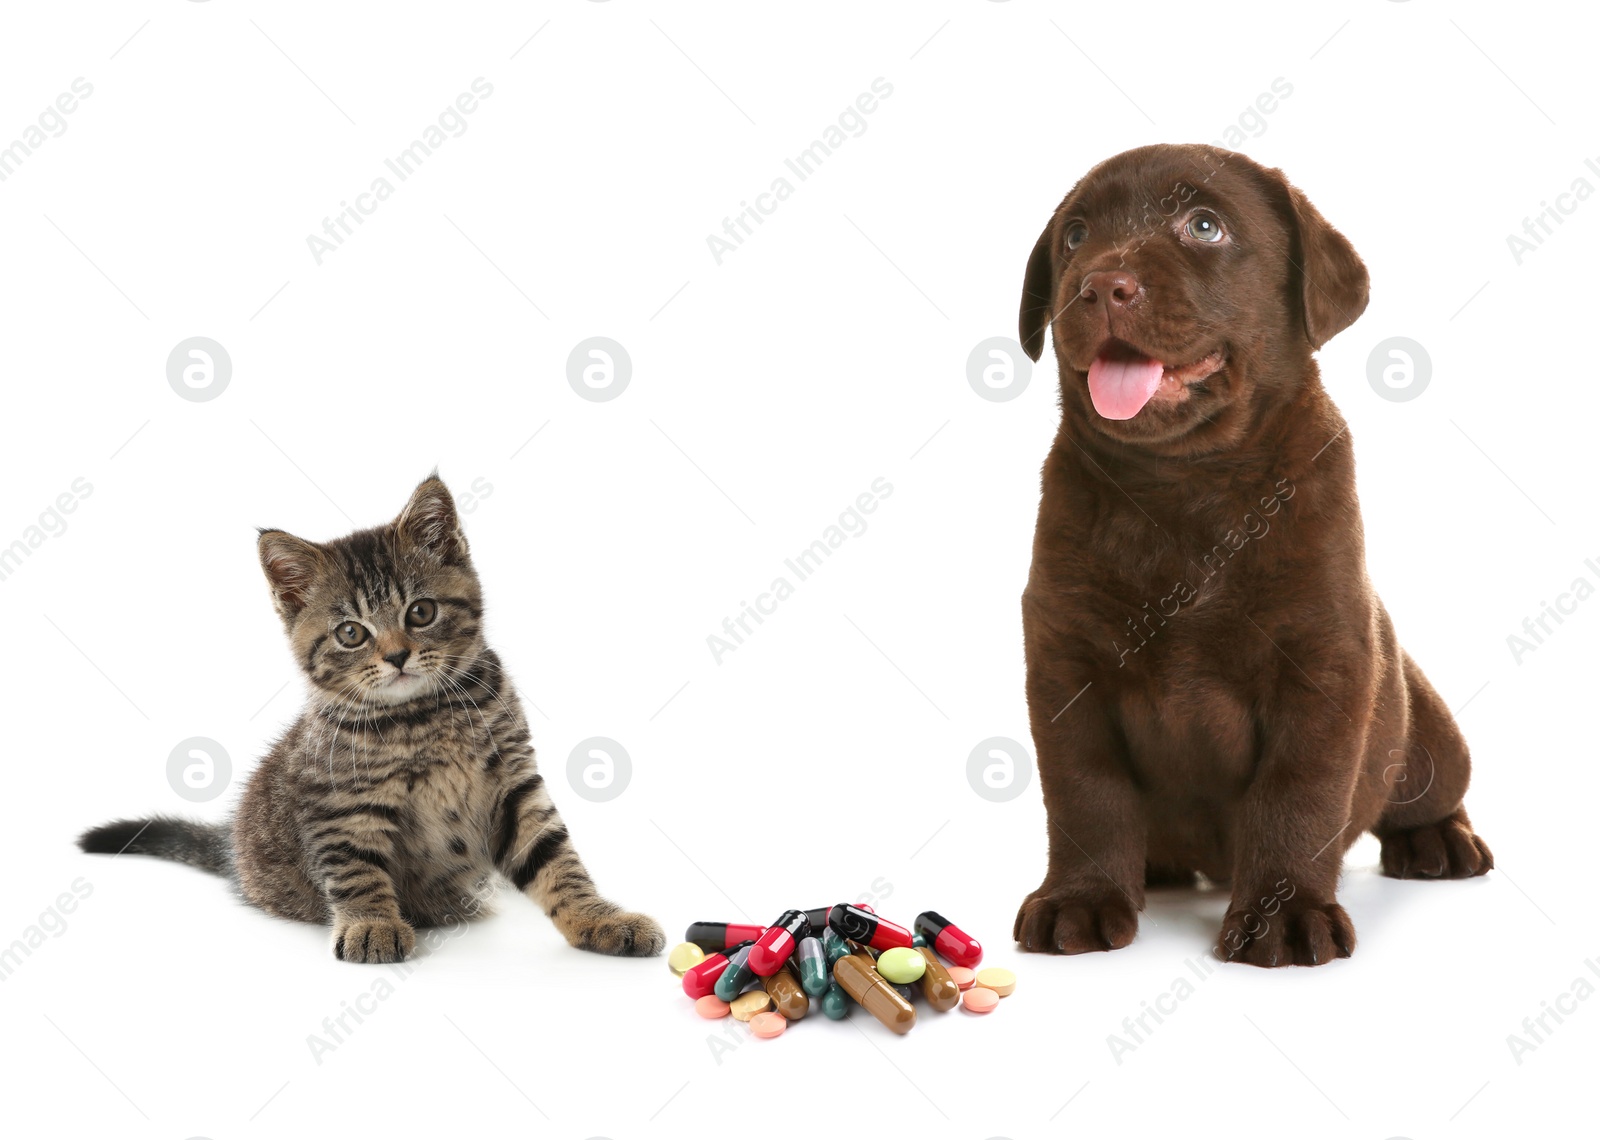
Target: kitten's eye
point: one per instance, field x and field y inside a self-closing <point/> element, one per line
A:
<point x="421" y="613"/>
<point x="1204" y="227"/>
<point x="1077" y="234"/>
<point x="350" y="634"/>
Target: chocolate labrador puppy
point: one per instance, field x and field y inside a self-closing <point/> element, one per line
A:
<point x="1213" y="685"/>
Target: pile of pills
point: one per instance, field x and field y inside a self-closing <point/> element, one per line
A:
<point x="768" y="976"/>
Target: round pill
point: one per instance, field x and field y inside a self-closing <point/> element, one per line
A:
<point x="901" y="965"/>
<point x="979" y="1000"/>
<point x="684" y="956"/>
<point x="1000" y="981"/>
<point x="712" y="1007"/>
<point x="746" y="1006"/>
<point x="963" y="977"/>
<point x="768" y="1024"/>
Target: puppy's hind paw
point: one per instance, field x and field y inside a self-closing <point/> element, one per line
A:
<point x="1055" y="923"/>
<point x="1448" y="849"/>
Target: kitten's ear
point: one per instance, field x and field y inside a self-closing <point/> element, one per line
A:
<point x="291" y="565"/>
<point x="430" y="520"/>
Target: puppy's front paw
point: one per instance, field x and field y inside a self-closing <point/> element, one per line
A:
<point x="372" y="940"/>
<point x="1296" y="933"/>
<point x="1053" y="922"/>
<point x="624" y="934"/>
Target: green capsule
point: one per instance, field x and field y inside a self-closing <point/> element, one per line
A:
<point x="918" y="941"/>
<point x="835" y="1004"/>
<point x="833" y="946"/>
<point x="735" y="976"/>
<point x="813" y="967"/>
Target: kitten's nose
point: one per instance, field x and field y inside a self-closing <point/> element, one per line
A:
<point x="398" y="658"/>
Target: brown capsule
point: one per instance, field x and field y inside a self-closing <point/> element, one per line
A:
<point x="857" y="977"/>
<point x="787" y="994"/>
<point x="938" y="987"/>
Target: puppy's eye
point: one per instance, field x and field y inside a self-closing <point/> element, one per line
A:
<point x="421" y="613"/>
<point x="350" y="634"/>
<point x="1077" y="234"/>
<point x="1204" y="227"/>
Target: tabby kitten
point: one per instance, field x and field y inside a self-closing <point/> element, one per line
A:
<point x="409" y="779"/>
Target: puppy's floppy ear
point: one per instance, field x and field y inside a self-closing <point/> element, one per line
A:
<point x="1326" y="269"/>
<point x="430" y="520"/>
<point x="1038" y="292"/>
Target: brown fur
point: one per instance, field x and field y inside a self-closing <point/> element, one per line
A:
<point x="1213" y="685"/>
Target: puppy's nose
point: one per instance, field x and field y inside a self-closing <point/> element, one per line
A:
<point x="1117" y="287"/>
<point x="397" y="658"/>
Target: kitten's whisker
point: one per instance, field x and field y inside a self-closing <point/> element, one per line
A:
<point x="333" y="740"/>
<point x="494" y="692"/>
<point x="450" y="674"/>
<point x="444" y="675"/>
<point x="462" y="673"/>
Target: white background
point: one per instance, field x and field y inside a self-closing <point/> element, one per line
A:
<point x="829" y="753"/>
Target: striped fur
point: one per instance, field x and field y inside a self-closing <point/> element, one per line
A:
<point x="403" y="789"/>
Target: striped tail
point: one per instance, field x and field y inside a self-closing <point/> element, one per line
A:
<point x="208" y="846"/>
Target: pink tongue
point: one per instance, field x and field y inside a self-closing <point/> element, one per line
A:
<point x="1119" y="388"/>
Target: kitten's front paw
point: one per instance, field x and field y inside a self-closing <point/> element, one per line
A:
<point x="372" y="940"/>
<point x="624" y="934"/>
